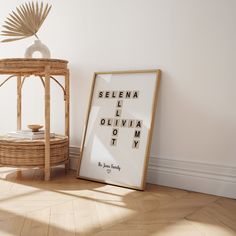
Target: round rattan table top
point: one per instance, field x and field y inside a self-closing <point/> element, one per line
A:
<point x="32" y="65"/>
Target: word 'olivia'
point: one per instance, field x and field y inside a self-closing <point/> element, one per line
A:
<point x="129" y="123"/>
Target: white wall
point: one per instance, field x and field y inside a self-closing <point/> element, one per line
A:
<point x="191" y="41"/>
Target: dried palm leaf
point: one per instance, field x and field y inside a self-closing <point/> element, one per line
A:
<point x="25" y="21"/>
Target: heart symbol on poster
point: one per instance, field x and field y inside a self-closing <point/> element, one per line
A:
<point x="108" y="171"/>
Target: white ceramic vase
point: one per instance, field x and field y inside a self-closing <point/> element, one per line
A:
<point x="38" y="46"/>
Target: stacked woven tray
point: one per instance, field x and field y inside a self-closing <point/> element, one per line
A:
<point x="31" y="153"/>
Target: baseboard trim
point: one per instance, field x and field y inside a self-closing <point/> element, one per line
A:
<point x="74" y="156"/>
<point x="194" y="176"/>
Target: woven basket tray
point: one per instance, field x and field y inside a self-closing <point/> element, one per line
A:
<point x="25" y="153"/>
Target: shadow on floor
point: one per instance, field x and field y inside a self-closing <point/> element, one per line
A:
<point x="69" y="206"/>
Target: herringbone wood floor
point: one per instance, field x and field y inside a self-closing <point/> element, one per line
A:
<point x="67" y="206"/>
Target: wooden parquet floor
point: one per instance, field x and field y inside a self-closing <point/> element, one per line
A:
<point x="66" y="206"/>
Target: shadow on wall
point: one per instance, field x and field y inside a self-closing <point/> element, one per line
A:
<point x="80" y="83"/>
<point x="191" y="124"/>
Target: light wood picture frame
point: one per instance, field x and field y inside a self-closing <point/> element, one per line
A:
<point x="118" y="129"/>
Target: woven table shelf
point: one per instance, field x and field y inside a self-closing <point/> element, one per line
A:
<point x="31" y="153"/>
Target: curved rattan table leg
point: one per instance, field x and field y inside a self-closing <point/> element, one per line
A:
<point x="11" y="76"/>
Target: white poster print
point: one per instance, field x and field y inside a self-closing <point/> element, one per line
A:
<point x="117" y="138"/>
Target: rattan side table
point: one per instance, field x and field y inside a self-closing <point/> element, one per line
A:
<point x="47" y="152"/>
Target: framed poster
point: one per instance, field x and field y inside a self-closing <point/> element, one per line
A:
<point x="117" y="136"/>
